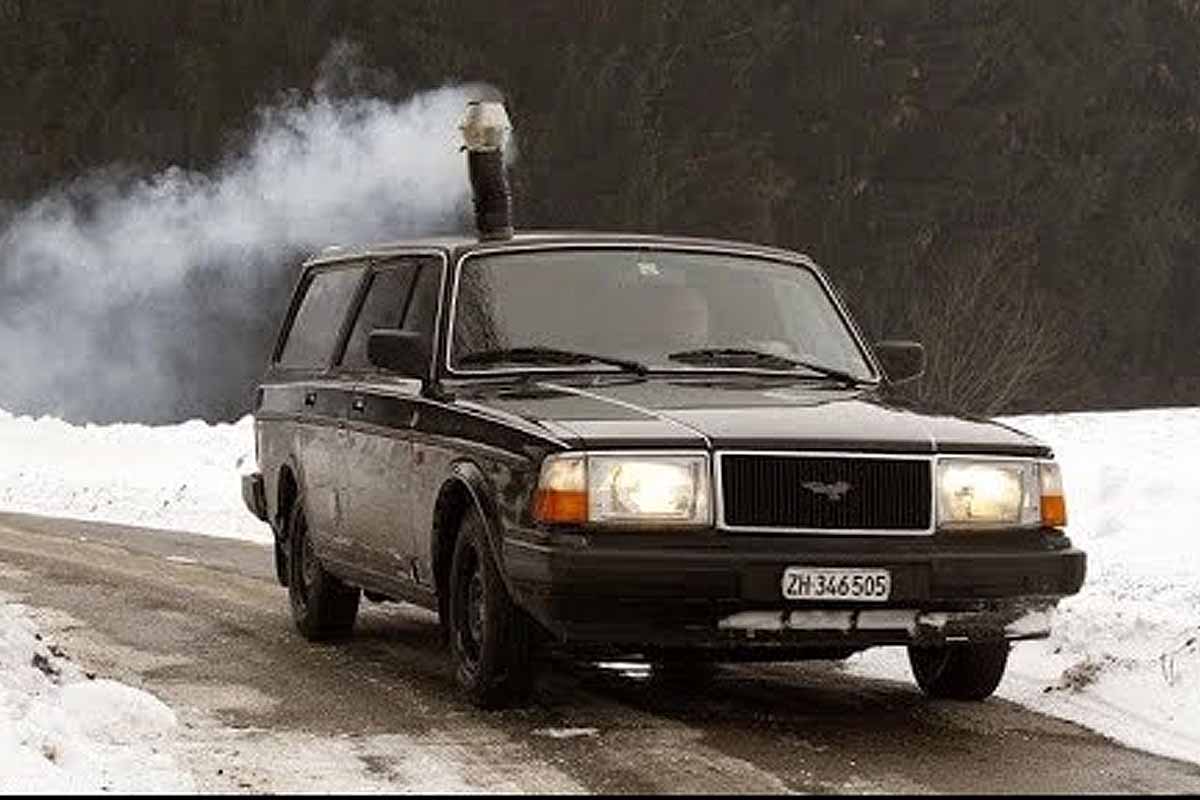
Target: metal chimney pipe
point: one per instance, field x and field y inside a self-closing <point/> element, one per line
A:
<point x="485" y="131"/>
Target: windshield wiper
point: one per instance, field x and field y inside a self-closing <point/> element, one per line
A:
<point x="737" y="356"/>
<point x="548" y="355"/>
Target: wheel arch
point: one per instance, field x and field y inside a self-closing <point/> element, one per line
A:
<point x="286" y="492"/>
<point x="289" y="486"/>
<point x="464" y="489"/>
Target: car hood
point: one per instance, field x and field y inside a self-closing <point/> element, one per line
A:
<point x="746" y="413"/>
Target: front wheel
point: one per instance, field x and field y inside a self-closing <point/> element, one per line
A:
<point x="959" y="671"/>
<point x="323" y="607"/>
<point x="491" y="638"/>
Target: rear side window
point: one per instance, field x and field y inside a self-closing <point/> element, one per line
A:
<point x="314" y="333"/>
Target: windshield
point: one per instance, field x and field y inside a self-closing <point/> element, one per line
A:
<point x="667" y="310"/>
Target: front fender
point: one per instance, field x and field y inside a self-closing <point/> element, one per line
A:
<point x="482" y="497"/>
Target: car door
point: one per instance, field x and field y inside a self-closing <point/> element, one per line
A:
<point x="317" y="401"/>
<point x="377" y="475"/>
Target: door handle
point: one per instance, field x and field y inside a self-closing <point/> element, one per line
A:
<point x="310" y="399"/>
<point x="358" y="404"/>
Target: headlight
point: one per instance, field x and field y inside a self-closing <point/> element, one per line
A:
<point x="626" y="488"/>
<point x="990" y="493"/>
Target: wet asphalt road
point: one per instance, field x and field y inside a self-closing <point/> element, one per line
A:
<point x="200" y="622"/>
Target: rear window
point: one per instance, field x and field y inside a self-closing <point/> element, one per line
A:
<point x="315" y="327"/>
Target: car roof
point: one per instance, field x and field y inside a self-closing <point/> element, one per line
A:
<point x="456" y="245"/>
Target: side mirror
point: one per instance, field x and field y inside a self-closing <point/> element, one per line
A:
<point x="902" y="361"/>
<point x="405" y="352"/>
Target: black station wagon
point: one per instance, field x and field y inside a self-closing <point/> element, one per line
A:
<point x="675" y="449"/>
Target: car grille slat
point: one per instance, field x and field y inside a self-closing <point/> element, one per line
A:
<point x="844" y="492"/>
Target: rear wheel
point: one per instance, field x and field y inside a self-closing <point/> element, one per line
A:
<point x="490" y="637"/>
<point x="323" y="607"/>
<point x="959" y="671"/>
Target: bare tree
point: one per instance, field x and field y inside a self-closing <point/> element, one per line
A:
<point x="990" y="337"/>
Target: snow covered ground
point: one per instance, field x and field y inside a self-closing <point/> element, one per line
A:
<point x="178" y="477"/>
<point x="1124" y="658"/>
<point x="66" y="731"/>
<point x="63" y="731"/>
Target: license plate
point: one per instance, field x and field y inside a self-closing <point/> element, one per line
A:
<point x="828" y="583"/>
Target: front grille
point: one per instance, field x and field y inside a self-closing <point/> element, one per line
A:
<point x="843" y="492"/>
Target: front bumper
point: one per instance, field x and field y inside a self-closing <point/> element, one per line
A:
<point x="725" y="591"/>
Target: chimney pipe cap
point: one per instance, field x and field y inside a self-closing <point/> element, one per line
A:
<point x="486" y="127"/>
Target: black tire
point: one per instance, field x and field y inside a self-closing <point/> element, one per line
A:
<point x="960" y="671"/>
<point x="323" y="607"/>
<point x="490" y="637"/>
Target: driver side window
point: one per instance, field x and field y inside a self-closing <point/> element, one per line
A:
<point x="387" y="300"/>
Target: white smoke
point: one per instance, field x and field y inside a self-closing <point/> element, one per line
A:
<point x="154" y="298"/>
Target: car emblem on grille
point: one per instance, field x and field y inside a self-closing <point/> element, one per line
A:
<point x="834" y="491"/>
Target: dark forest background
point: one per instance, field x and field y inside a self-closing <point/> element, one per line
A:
<point x="1016" y="184"/>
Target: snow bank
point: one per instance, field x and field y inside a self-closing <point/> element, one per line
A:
<point x="64" y="733"/>
<point x="1124" y="657"/>
<point x="181" y="477"/>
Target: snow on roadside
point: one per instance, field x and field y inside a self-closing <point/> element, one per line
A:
<point x="62" y="732"/>
<point x="1124" y="655"/>
<point x="179" y="477"/>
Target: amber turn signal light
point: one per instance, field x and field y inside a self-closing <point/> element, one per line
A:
<point x="561" y="495"/>
<point x="555" y="506"/>
<point x="1054" y="502"/>
<point x="1054" y="511"/>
